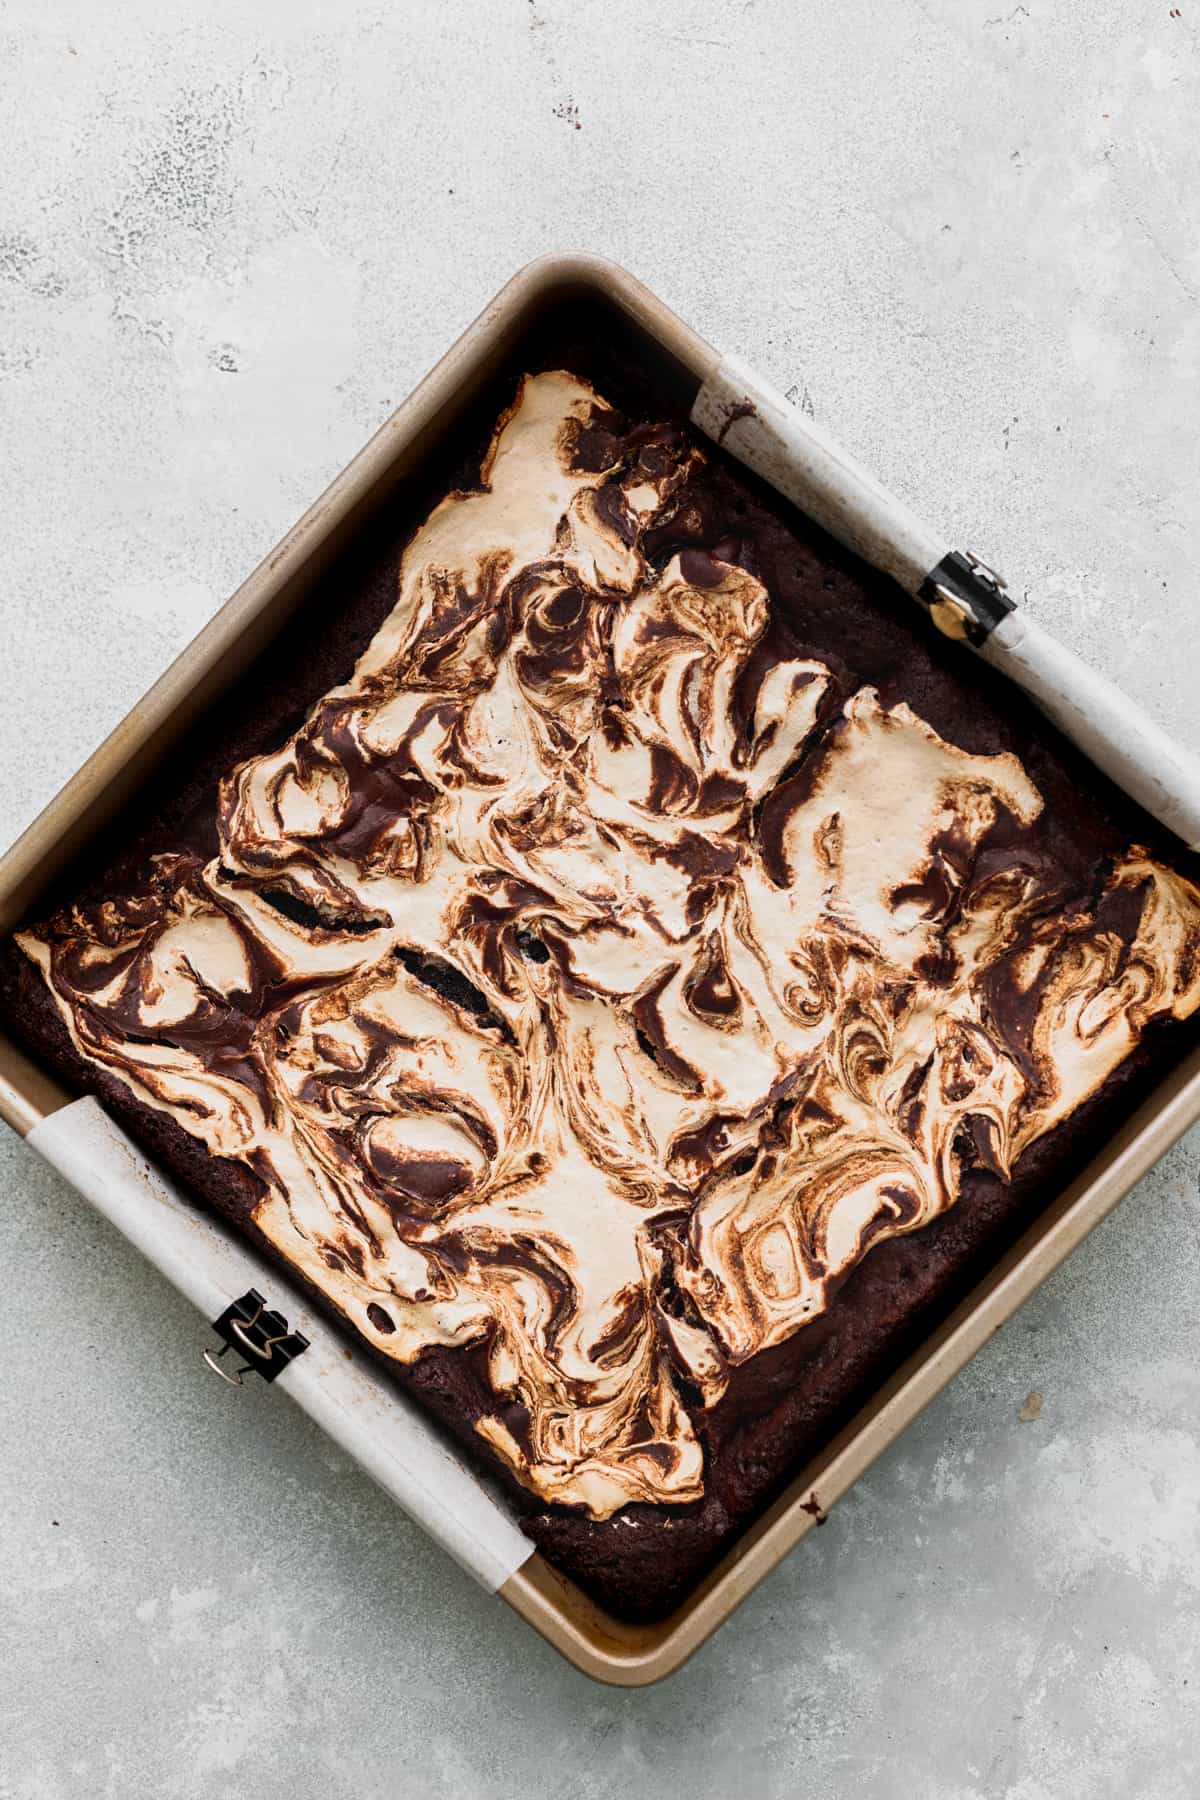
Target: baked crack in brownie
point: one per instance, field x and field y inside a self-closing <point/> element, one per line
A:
<point x="601" y="972"/>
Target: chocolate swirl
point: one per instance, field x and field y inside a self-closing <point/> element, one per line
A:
<point x="589" y="979"/>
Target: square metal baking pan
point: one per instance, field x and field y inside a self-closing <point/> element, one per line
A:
<point x="600" y="1645"/>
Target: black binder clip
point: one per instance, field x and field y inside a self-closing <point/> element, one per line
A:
<point x="250" y="1327"/>
<point x="966" y="599"/>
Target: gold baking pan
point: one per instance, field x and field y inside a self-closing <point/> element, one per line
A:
<point x="597" y="1643"/>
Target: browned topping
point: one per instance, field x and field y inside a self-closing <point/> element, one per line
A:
<point x="594" y="977"/>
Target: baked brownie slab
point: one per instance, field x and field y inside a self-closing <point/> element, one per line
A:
<point x="640" y="993"/>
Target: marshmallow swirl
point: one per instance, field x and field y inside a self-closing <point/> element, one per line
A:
<point x="593" y="978"/>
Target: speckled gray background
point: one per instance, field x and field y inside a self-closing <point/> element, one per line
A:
<point x="231" y="237"/>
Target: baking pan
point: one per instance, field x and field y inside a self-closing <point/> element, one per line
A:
<point x="844" y="499"/>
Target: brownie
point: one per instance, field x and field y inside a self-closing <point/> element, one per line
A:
<point x="967" y="1078"/>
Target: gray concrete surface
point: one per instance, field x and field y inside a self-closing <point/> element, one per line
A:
<point x="231" y="237"/>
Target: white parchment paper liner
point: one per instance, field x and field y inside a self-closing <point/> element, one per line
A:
<point x="352" y="1400"/>
<point x="375" y="1423"/>
<point x="755" y="423"/>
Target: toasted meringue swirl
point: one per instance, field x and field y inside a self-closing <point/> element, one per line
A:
<point x="590" y="979"/>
